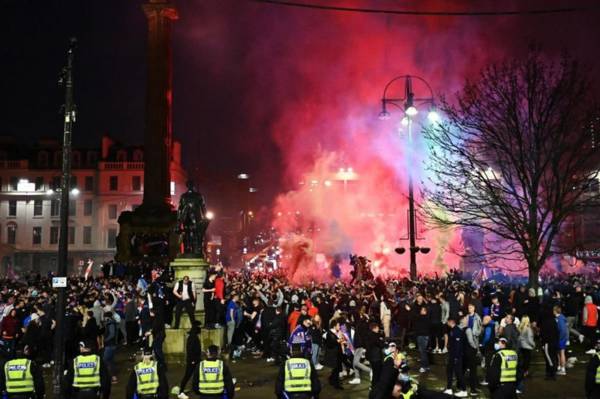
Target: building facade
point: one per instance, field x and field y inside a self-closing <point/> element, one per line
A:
<point x="105" y="182"/>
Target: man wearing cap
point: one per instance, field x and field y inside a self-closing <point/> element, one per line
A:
<point x="22" y="378"/>
<point x="592" y="375"/>
<point x="147" y="380"/>
<point x="212" y="378"/>
<point x="297" y="378"/>
<point x="87" y="377"/>
<point x="502" y="374"/>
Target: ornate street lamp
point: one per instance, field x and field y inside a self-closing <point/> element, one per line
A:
<point x="409" y="104"/>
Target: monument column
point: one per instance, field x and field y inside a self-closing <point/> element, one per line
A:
<point x="159" y="95"/>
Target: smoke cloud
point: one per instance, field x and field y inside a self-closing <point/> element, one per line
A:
<point x="311" y="82"/>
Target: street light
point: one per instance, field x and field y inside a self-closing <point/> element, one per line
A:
<point x="408" y="104"/>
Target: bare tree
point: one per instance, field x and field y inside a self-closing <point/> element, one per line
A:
<point x="515" y="156"/>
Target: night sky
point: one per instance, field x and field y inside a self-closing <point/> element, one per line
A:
<point x="257" y="88"/>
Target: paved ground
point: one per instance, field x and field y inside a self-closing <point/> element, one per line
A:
<point x="256" y="379"/>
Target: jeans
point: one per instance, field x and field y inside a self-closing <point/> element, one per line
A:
<point x="109" y="359"/>
<point x="230" y="331"/>
<point x="422" y="343"/>
<point x="316" y="351"/>
<point x="357" y="365"/>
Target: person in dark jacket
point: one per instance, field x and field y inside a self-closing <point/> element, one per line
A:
<point x="549" y="339"/>
<point x="422" y="329"/>
<point x="193" y="354"/>
<point x="454" y="367"/>
<point x="592" y="388"/>
<point x="334" y="352"/>
<point x="315" y="385"/>
<point x="277" y="329"/>
<point x="375" y="344"/>
<point x="133" y="392"/>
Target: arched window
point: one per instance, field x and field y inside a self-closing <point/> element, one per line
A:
<point x="138" y="156"/>
<point x="57" y="159"/>
<point x="43" y="159"/>
<point x="11" y="233"/>
<point x="76" y="159"/>
<point x="121" y="156"/>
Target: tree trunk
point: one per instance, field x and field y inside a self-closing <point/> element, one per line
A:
<point x="534" y="274"/>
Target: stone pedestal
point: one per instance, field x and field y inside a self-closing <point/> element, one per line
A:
<point x="214" y="336"/>
<point x="196" y="269"/>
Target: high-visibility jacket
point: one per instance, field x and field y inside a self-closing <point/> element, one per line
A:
<point x="408" y="395"/>
<point x="17" y="373"/>
<point x="147" y="378"/>
<point x="86" y="372"/>
<point x="297" y="375"/>
<point x="592" y="315"/>
<point x="598" y="371"/>
<point x="210" y="381"/>
<point x="508" y="367"/>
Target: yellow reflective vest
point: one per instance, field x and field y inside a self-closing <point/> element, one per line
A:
<point x="86" y="372"/>
<point x="297" y="375"/>
<point x="210" y="379"/>
<point x="508" y="368"/>
<point x="147" y="378"/>
<point x="18" y="376"/>
<point x="598" y="371"/>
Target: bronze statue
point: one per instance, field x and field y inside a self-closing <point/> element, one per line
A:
<point x="192" y="222"/>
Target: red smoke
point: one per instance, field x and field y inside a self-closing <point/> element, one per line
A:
<point x="312" y="80"/>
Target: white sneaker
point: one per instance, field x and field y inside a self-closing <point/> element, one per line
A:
<point x="319" y="366"/>
<point x="270" y="360"/>
<point x="182" y="395"/>
<point x="591" y="352"/>
<point x="519" y="392"/>
<point x="234" y="380"/>
<point x="448" y="391"/>
<point x="581" y="338"/>
<point x="422" y="370"/>
<point x="445" y="350"/>
<point x="461" y="394"/>
<point x="354" y="381"/>
<point x="484" y="383"/>
<point x="343" y="374"/>
<point x="561" y="372"/>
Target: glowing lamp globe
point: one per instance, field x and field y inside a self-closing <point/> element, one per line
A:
<point x="210" y="215"/>
<point x="411" y="111"/>
<point x="433" y="117"/>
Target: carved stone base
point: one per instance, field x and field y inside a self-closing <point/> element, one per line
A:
<point x="196" y="269"/>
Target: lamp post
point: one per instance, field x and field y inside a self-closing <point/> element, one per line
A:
<point x="408" y="104"/>
<point x="66" y="79"/>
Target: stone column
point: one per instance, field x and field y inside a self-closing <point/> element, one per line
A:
<point x="159" y="95"/>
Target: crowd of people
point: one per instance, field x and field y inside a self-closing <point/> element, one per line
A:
<point x="358" y="331"/>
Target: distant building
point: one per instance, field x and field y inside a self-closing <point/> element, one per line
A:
<point x="105" y="182"/>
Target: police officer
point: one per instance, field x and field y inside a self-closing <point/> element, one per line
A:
<point x="502" y="374"/>
<point x="592" y="375"/>
<point x="87" y="377"/>
<point x="147" y="380"/>
<point x="212" y="378"/>
<point x="393" y="363"/>
<point x="22" y="378"/>
<point x="297" y="378"/>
